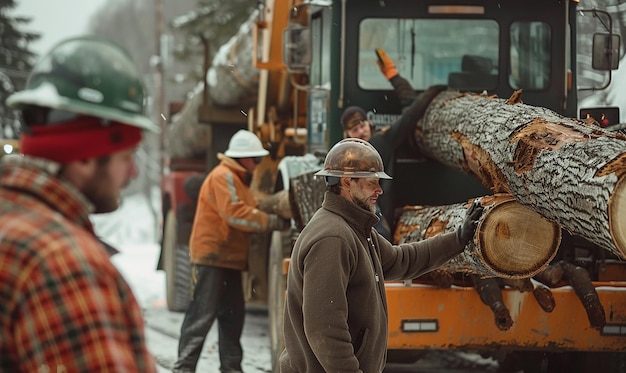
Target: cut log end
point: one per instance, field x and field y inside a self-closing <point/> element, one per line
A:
<point x="517" y="242"/>
<point x="617" y="212"/>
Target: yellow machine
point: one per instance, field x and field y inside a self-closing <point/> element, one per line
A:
<point x="315" y="58"/>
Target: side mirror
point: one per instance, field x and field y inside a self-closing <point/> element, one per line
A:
<point x="605" y="53"/>
<point x="297" y="49"/>
<point x="604" y="116"/>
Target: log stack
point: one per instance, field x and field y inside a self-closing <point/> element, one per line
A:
<point x="567" y="170"/>
<point x="511" y="241"/>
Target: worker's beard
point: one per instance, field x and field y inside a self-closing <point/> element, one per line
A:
<point x="100" y="191"/>
<point x="363" y="202"/>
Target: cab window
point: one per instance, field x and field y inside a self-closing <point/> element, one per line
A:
<point x="530" y="55"/>
<point x="462" y="54"/>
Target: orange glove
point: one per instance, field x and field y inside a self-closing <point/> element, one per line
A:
<point x="386" y="65"/>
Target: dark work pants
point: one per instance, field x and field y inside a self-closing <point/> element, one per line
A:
<point x="217" y="293"/>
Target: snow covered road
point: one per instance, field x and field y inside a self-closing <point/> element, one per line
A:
<point x="132" y="230"/>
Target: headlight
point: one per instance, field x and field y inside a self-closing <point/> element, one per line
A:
<point x="8" y="148"/>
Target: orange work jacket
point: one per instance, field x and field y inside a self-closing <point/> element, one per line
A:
<point x="226" y="214"/>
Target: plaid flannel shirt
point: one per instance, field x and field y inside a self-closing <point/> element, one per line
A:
<point x="64" y="307"/>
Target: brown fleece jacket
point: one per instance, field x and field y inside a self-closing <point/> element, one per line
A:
<point x="336" y="309"/>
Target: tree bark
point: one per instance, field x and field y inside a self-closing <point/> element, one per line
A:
<point x="185" y="137"/>
<point x="232" y="78"/>
<point x="511" y="240"/>
<point x="566" y="170"/>
<point x="306" y="194"/>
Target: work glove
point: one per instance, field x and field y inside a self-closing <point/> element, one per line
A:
<point x="277" y="203"/>
<point x="385" y="64"/>
<point x="467" y="229"/>
<point x="276" y="223"/>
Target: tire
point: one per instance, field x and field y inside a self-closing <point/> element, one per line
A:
<point x="177" y="267"/>
<point x="280" y="247"/>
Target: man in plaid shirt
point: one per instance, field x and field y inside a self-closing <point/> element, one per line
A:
<point x="63" y="306"/>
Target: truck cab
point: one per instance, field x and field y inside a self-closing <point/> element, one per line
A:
<point x="479" y="46"/>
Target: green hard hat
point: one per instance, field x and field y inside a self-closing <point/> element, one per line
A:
<point x="91" y="76"/>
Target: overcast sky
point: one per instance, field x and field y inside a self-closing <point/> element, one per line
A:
<point x="56" y="20"/>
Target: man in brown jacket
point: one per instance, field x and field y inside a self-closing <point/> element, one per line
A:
<point x="336" y="311"/>
<point x="226" y="214"/>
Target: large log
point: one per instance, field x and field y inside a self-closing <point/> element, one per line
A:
<point x="231" y="81"/>
<point x="565" y="169"/>
<point x="232" y="77"/>
<point x="185" y="137"/>
<point x="511" y="240"/>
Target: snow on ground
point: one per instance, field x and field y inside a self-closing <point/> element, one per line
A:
<point x="132" y="230"/>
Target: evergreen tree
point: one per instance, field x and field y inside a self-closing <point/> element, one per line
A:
<point x="16" y="61"/>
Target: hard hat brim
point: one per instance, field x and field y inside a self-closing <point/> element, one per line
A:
<point x="246" y="154"/>
<point x="356" y="175"/>
<point x="46" y="95"/>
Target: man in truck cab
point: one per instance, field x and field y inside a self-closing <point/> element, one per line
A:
<point x="389" y="139"/>
<point x="335" y="309"/>
<point x="226" y="214"/>
<point x="354" y="120"/>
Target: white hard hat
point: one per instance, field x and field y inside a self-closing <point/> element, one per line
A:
<point x="245" y="144"/>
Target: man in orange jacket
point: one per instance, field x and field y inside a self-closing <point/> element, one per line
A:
<point x="226" y="214"/>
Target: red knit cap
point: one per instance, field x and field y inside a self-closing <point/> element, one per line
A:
<point x="83" y="138"/>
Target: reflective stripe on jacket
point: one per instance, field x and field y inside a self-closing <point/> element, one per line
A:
<point x="225" y="216"/>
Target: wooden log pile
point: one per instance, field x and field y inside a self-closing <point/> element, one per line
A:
<point x="567" y="170"/>
<point x="511" y="240"/>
